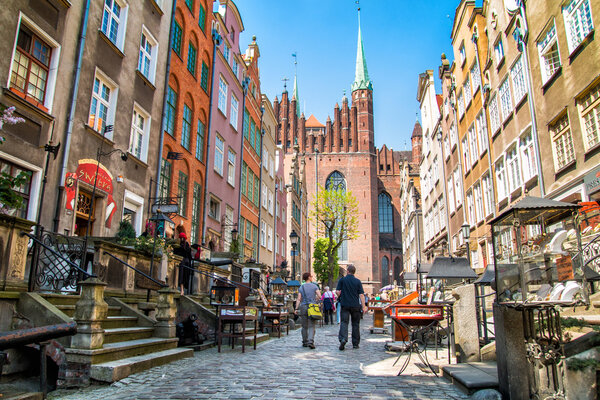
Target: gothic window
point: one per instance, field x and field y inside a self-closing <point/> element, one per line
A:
<point x="386" y="220"/>
<point x="335" y="181"/>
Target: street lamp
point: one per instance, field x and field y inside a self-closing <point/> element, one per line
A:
<point x="465" y="229"/>
<point x="294" y="243"/>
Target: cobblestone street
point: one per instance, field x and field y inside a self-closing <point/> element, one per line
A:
<point x="283" y="369"/>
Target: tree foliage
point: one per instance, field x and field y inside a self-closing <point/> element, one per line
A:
<point x="335" y="212"/>
<point x="10" y="200"/>
<point x="320" y="262"/>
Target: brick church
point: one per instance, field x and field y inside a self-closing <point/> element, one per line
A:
<point x="342" y="151"/>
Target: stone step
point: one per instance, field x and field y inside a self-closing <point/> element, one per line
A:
<point x="200" y="347"/>
<point x="120" y="350"/>
<point x="116" y="370"/>
<point x="23" y="396"/>
<point x="116" y="335"/>
<point x="69" y="309"/>
<point x="61" y="299"/>
<point x="473" y="376"/>
<point x="119" y="322"/>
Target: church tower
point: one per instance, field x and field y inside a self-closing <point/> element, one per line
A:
<point x="362" y="99"/>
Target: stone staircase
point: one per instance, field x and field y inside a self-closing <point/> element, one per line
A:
<point x="129" y="343"/>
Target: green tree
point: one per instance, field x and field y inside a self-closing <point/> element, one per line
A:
<point x="10" y="200"/>
<point x="335" y="212"/>
<point x="320" y="262"/>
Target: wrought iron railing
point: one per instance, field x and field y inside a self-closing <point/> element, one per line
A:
<point x="55" y="262"/>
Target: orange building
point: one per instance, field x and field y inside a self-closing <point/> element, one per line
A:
<point x="185" y="116"/>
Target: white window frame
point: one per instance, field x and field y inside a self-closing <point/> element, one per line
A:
<point x="233" y="120"/>
<point x="475" y="77"/>
<point x="270" y="238"/>
<point x="499" y="50"/>
<point x="135" y="202"/>
<point x="263" y="233"/>
<point x="467" y="91"/>
<point x="488" y="194"/>
<point x="264" y="198"/>
<point x="223" y="89"/>
<point x="519" y="80"/>
<point x="217" y="214"/>
<point x="562" y="139"/>
<point x="463" y="54"/>
<point x="458" y="187"/>
<point x="478" y="197"/>
<point x="494" y="114"/>
<point x="482" y="133"/>
<point x="470" y="208"/>
<point x="119" y="41"/>
<point x="473" y="148"/>
<point x="461" y="105"/>
<point x="577" y="26"/>
<point x="36" y="182"/>
<point x="111" y="104"/>
<point x="219" y="154"/>
<point x="54" y="58"/>
<point x="506" y="105"/>
<point x="466" y="158"/>
<point x="136" y="132"/>
<point x="451" y="200"/>
<point x="589" y="114"/>
<point x="547" y="56"/>
<point x="528" y="155"/>
<point x="501" y="179"/>
<point x="152" y="56"/>
<point x="231" y="167"/>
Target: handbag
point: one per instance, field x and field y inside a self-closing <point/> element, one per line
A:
<point x="314" y="311"/>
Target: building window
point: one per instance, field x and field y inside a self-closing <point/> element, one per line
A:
<point x="467" y="90"/>
<point x="186" y="127"/>
<point x="148" y="54"/>
<point x="506" y="105"/>
<point x="466" y="157"/>
<point x="31" y="66"/>
<point x="191" y="61"/>
<point x="228" y="223"/>
<point x="549" y="54"/>
<point x="517" y="74"/>
<point x="458" y="186"/>
<point x="578" y="22"/>
<point x="182" y="191"/>
<point x="234" y="112"/>
<point x="171" y="111"/>
<point x="270" y="238"/>
<point x="589" y="109"/>
<point x="244" y="178"/>
<point x="190" y="4"/>
<point x="471" y="208"/>
<point x="488" y="194"/>
<point x="231" y="167"/>
<point x="214" y="208"/>
<point x="476" y="77"/>
<point x="270" y="202"/>
<point x="473" y="144"/>
<point x="386" y="219"/>
<point x="499" y="51"/>
<point x="562" y="142"/>
<point x="482" y="133"/>
<point x="196" y="213"/>
<point x="335" y="181"/>
<point x="501" y="180"/>
<point x="200" y="141"/>
<point x="102" y="107"/>
<point x="263" y="233"/>
<point x="256" y="190"/>
<point x="140" y="132"/>
<point x="113" y="22"/>
<point x="177" y="37"/>
<point x="133" y="210"/>
<point x="479" y="211"/>
<point x="264" y="196"/>
<point x="248" y="231"/>
<point x="202" y="17"/>
<point x="219" y="151"/>
<point x="528" y="157"/>
<point x="204" y="77"/>
<point x="453" y="135"/>
<point x="249" y="184"/>
<point x="451" y="201"/>
<point x="226" y="52"/>
<point x="222" y="95"/>
<point x="164" y="185"/>
<point x="494" y="115"/>
<point x="23" y="191"/>
<point x="461" y="105"/>
<point x="463" y="54"/>
<point x="235" y="66"/>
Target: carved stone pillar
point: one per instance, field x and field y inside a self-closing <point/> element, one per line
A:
<point x="165" y="314"/>
<point x="90" y="311"/>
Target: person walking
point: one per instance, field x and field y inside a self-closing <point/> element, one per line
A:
<point x="328" y="306"/>
<point x="307" y="294"/>
<point x="352" y="301"/>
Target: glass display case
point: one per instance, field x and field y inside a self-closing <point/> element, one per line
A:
<point x="278" y="291"/>
<point x="537" y="254"/>
<point x="224" y="296"/>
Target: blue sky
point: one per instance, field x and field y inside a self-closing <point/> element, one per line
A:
<point x="402" y="38"/>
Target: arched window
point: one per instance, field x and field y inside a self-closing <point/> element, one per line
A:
<point x="385" y="271"/>
<point x="386" y="220"/>
<point x="335" y="181"/>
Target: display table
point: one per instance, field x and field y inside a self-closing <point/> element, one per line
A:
<point x="275" y="318"/>
<point x="378" y="307"/>
<point x="415" y="324"/>
<point x="232" y="315"/>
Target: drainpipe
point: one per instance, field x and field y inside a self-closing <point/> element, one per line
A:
<point x="260" y="178"/>
<point x="71" y="114"/>
<point x="216" y="37"/>
<point x="162" y="131"/>
<point x="245" y="82"/>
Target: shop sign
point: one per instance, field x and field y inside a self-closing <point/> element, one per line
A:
<point x="86" y="172"/>
<point x="591" y="181"/>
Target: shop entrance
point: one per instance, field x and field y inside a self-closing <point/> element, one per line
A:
<point x="83" y="211"/>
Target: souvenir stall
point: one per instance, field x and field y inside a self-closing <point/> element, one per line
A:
<point x="538" y="269"/>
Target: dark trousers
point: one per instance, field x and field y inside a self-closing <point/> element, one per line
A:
<point x="346" y="313"/>
<point x="328" y="316"/>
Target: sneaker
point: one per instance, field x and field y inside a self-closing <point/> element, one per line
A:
<point x="311" y="346"/>
<point x="342" y="344"/>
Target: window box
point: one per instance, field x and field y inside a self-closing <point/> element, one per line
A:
<point x="111" y="44"/>
<point x="28" y="103"/>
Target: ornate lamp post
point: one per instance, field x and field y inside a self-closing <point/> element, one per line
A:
<point x="465" y="229"/>
<point x="294" y="243"/>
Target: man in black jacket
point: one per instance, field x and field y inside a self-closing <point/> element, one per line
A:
<point x="352" y="299"/>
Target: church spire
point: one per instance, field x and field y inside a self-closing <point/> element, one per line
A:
<point x="295" y="93"/>
<point x="361" y="79"/>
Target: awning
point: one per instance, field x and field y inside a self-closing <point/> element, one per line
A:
<point x="451" y="267"/>
<point x="424" y="268"/>
<point x="488" y="275"/>
<point x="278" y="281"/>
<point x="410" y="276"/>
<point x="293" y="283"/>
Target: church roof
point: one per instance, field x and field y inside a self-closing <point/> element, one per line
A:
<point x="312" y="122"/>
<point x="417" y="130"/>
<point x="361" y="79"/>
